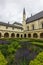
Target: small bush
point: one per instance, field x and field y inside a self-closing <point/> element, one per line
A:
<point x="38" y="60"/>
<point x="2" y="59"/>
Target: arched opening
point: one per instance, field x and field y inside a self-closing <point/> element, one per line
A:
<point x="21" y="35"/>
<point x="29" y="35"/>
<point x="0" y="35"/>
<point x="12" y="35"/>
<point x="17" y="35"/>
<point x="6" y="35"/>
<point x="35" y="35"/>
<point x="41" y="35"/>
<point x="24" y="35"/>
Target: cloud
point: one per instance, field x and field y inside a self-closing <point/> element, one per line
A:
<point x="11" y="10"/>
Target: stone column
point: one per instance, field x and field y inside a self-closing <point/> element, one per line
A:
<point x="38" y="35"/>
<point x="31" y="35"/>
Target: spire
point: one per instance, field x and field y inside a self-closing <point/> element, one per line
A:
<point x="24" y="11"/>
<point x="24" y="19"/>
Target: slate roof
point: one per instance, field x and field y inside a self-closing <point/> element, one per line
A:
<point x="35" y="17"/>
<point x="10" y="25"/>
<point x="17" y="23"/>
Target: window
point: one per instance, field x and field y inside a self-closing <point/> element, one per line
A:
<point x="32" y="27"/>
<point x="42" y="25"/>
<point x="28" y="28"/>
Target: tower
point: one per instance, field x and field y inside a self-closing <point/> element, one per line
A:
<point x="24" y="20"/>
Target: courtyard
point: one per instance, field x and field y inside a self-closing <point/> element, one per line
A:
<point x="20" y="51"/>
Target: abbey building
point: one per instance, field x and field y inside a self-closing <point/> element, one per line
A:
<point x="31" y="27"/>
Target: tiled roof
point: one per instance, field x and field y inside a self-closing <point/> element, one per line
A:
<point x="35" y="17"/>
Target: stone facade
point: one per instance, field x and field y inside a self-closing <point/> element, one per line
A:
<point x="30" y="28"/>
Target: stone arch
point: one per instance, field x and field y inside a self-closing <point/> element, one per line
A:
<point x="41" y="35"/>
<point x="0" y="35"/>
<point x="17" y="35"/>
<point x="21" y="35"/>
<point x="29" y="35"/>
<point x="35" y="35"/>
<point x="12" y="35"/>
<point x="24" y="35"/>
<point x="6" y="35"/>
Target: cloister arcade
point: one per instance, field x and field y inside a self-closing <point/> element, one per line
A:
<point x="21" y="35"/>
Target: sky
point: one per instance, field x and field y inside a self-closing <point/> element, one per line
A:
<point x="12" y="10"/>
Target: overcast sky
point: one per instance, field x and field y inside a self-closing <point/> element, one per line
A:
<point x="11" y="10"/>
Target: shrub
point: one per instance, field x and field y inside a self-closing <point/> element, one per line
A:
<point x="2" y="59"/>
<point x="38" y="60"/>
